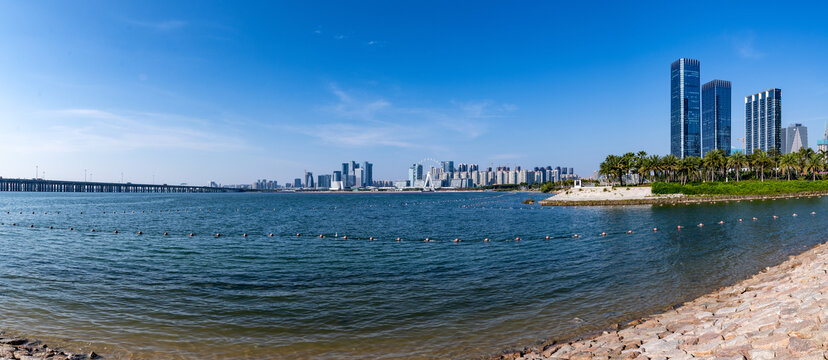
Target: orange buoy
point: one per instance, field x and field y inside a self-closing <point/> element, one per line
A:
<point x="93" y="230"/>
<point x="740" y="220"/>
<point x="321" y="236"/>
<point x="271" y="235"/>
<point x="218" y="234"/>
<point x="486" y="239"/>
<point x="775" y="217"/>
<point x="655" y="229"/>
<point x="517" y="239"/>
<point x="298" y="234"/>
<point x="116" y="231"/>
<point x="576" y="235"/>
<point x="139" y="233"/>
<point x="678" y="227"/>
<point x="245" y="234"/>
<point x="721" y="221"/>
<point x="191" y="234"/>
<point x="427" y="239"/>
<point x="629" y="231"/>
<point x="754" y="218"/>
<point x="398" y="239"/>
<point x="603" y="234"/>
<point x="700" y="224"/>
<point x="813" y="212"/>
<point x="547" y="237"/>
<point x="345" y="236"/>
<point x="456" y="240"/>
<point x="794" y="214"/>
<point x="371" y="238"/>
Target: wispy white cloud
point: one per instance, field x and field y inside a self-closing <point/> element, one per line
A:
<point x="360" y="120"/>
<point x="162" y="26"/>
<point x="84" y="129"/>
<point x="745" y="45"/>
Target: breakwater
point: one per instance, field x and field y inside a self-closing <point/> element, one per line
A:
<point x="778" y="313"/>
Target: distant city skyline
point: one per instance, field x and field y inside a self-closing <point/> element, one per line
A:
<point x="164" y="92"/>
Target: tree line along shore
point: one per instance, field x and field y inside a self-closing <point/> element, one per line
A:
<point x="806" y="164"/>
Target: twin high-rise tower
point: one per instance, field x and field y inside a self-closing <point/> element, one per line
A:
<point x="699" y="114"/>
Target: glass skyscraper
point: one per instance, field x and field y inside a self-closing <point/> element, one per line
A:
<point x="763" y="121"/>
<point x="715" y="124"/>
<point x="685" y="109"/>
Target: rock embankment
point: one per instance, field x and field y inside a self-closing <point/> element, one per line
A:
<point x="23" y="349"/>
<point x="780" y="313"/>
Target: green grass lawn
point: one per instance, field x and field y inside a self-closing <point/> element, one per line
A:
<point x="768" y="187"/>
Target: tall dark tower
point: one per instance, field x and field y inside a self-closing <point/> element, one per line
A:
<point x="685" y="109"/>
<point x="716" y="116"/>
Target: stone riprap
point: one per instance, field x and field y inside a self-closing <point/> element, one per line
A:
<point x="780" y="313"/>
<point x="23" y="349"/>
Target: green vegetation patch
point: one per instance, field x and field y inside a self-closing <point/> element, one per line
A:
<point x="767" y="187"/>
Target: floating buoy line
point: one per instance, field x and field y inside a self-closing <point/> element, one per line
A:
<point x="603" y="234"/>
<point x="498" y="202"/>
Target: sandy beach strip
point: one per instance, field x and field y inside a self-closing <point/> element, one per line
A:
<point x="606" y="195"/>
<point x="780" y="313"/>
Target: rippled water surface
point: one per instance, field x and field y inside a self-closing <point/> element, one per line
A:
<point x="233" y="297"/>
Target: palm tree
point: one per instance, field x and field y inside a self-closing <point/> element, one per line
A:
<point x="738" y="161"/>
<point x="786" y="163"/>
<point x="760" y="161"/>
<point x="653" y="165"/>
<point x="670" y="164"/>
<point x="608" y="167"/>
<point x="640" y="161"/>
<point x="815" y="164"/>
<point x="714" y="160"/>
<point x="803" y="157"/>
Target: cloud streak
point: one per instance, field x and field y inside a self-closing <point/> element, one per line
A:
<point x="93" y="130"/>
<point x="366" y="121"/>
<point x="160" y="26"/>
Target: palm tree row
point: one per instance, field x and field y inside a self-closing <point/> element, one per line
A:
<point x="715" y="166"/>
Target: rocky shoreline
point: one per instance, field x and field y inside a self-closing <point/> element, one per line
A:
<point x="780" y="313"/>
<point x="678" y="200"/>
<point x="24" y="349"/>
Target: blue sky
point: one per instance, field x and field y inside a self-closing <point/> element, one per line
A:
<point x="238" y="91"/>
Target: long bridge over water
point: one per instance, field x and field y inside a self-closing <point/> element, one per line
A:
<point x="42" y="185"/>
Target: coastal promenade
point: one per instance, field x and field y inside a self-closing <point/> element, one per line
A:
<point x="780" y="313"/>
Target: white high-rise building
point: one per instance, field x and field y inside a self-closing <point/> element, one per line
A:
<point x="763" y="121"/>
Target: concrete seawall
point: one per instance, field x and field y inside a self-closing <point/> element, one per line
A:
<point x="780" y="313"/>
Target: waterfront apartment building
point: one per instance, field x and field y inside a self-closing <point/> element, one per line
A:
<point x="763" y="121"/>
<point x="685" y="108"/>
<point x="794" y="137"/>
<point x="323" y="181"/>
<point x="715" y="125"/>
